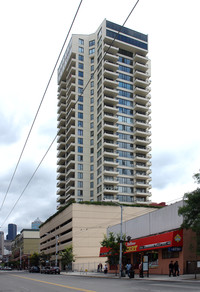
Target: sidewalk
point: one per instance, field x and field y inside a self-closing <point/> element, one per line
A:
<point x="190" y="277"/>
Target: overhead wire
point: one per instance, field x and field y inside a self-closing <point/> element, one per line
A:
<point x="76" y="100"/>
<point x="47" y="86"/>
<point x="175" y="200"/>
<point x="29" y="181"/>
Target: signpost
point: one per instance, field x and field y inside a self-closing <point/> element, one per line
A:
<point x="145" y="262"/>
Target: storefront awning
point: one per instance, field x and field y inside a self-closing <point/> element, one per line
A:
<point x="162" y="240"/>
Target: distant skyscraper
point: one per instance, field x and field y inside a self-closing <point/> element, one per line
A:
<point x="104" y="127"/>
<point x="35" y="224"/>
<point x="12" y="231"/>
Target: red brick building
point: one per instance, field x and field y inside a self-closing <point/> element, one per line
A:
<point x="162" y="241"/>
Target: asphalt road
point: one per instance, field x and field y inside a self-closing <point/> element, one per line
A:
<point x="25" y="282"/>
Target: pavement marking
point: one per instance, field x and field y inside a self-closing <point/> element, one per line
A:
<point x="50" y="283"/>
<point x="176" y="285"/>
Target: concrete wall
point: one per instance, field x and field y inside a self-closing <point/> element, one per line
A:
<point x="158" y="221"/>
<point x="31" y="234"/>
<point x="89" y="224"/>
<point x="31" y="245"/>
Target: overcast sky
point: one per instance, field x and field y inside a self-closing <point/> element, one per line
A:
<point x="32" y="34"/>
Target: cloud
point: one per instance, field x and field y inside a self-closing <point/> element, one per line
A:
<point x="38" y="200"/>
<point x="8" y="129"/>
<point x="26" y="67"/>
<point x="174" y="166"/>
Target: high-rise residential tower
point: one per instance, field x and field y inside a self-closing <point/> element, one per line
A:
<point x="104" y="117"/>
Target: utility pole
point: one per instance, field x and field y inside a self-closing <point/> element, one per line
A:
<point x="121" y="241"/>
<point x="20" y="258"/>
<point x="120" y="251"/>
<point x="56" y="251"/>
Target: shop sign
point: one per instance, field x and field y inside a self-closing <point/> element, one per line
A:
<point x="175" y="248"/>
<point x="173" y="239"/>
<point x="163" y="240"/>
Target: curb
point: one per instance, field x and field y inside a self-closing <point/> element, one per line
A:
<point x="135" y="278"/>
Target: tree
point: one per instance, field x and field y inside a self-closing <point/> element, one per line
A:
<point x="44" y="258"/>
<point x="191" y="213"/>
<point x="196" y="177"/>
<point x="113" y="242"/>
<point x="34" y="259"/>
<point x="67" y="257"/>
<point x="191" y="208"/>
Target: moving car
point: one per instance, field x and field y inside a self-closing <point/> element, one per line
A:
<point x="6" y="268"/>
<point x="34" y="269"/>
<point x="50" y="270"/>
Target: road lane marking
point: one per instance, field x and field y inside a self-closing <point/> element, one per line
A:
<point x="60" y="285"/>
<point x="174" y="286"/>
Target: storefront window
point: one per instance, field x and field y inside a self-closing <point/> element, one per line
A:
<point x="153" y="259"/>
<point x="166" y="254"/>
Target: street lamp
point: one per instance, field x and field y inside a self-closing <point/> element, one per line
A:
<point x="56" y="237"/>
<point x="20" y="258"/>
<point x="56" y="250"/>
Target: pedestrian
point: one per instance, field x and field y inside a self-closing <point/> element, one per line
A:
<point x="128" y="268"/>
<point x="105" y="269"/>
<point x="171" y="268"/>
<point x="131" y="272"/>
<point x="141" y="270"/>
<point x="100" y="267"/>
<point x="176" y="268"/>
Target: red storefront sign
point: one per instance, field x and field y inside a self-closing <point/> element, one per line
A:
<point x="163" y="240"/>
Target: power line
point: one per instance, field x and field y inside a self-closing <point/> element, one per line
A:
<point x="30" y="180"/>
<point x="75" y="102"/>
<point x="175" y="200"/>
<point x="29" y="133"/>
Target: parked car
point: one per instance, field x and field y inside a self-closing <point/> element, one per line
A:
<point x="7" y="269"/>
<point x="34" y="269"/>
<point x="42" y="270"/>
<point x="45" y="270"/>
<point x="54" y="270"/>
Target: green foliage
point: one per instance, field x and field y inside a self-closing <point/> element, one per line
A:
<point x="34" y="259"/>
<point x="67" y="256"/>
<point x="44" y="258"/>
<point x="196" y="177"/>
<point x="101" y="203"/>
<point x="191" y="211"/>
<point x="13" y="264"/>
<point x="113" y="242"/>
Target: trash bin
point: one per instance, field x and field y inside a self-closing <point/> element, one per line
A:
<point x="123" y="274"/>
<point x="131" y="274"/>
